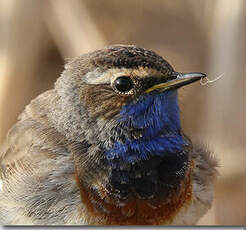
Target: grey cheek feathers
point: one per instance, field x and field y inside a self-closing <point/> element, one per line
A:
<point x="67" y="114"/>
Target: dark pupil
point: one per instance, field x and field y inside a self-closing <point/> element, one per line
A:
<point x="123" y="84"/>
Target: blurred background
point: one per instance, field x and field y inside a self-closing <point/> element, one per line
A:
<point x="193" y="35"/>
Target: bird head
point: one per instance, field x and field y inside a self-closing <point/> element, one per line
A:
<point x="117" y="93"/>
<point x="120" y="103"/>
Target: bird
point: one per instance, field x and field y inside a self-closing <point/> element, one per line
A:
<point x="105" y="146"/>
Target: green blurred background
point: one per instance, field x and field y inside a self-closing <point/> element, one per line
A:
<point x="193" y="35"/>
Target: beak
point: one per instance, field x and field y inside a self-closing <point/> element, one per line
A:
<point x="180" y="80"/>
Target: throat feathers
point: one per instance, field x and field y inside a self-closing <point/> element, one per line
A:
<point x="152" y="126"/>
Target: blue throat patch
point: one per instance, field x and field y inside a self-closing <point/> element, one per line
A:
<point x="157" y="116"/>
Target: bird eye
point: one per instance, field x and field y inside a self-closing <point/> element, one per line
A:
<point x="123" y="84"/>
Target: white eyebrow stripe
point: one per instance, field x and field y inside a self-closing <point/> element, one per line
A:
<point x="97" y="77"/>
<point x="93" y="77"/>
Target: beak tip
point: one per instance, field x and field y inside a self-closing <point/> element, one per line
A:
<point x="203" y="75"/>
